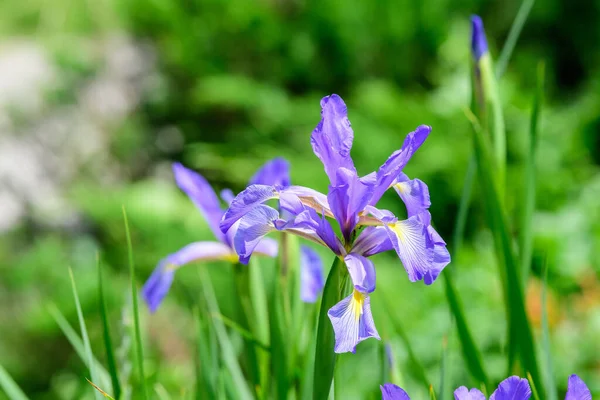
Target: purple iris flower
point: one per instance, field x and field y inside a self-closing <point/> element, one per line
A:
<point x="479" y="44"/>
<point x="274" y="172"/>
<point x="512" y="388"/>
<point x="350" y="201"/>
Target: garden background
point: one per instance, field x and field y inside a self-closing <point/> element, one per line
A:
<point x="98" y="98"/>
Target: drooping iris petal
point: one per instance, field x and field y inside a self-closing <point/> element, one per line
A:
<point x="512" y="388"/>
<point x="273" y="173"/>
<point x="202" y="195"/>
<point x="159" y="283"/>
<point x="441" y="256"/>
<point x="389" y="391"/>
<point x="577" y="389"/>
<point x="362" y="272"/>
<point x="332" y="138"/>
<point x="252" y="228"/>
<point x="414" y="193"/>
<point x="311" y="224"/>
<point x="412" y="244"/>
<point x="388" y="172"/>
<point x="372" y="240"/>
<point x="311" y="275"/>
<point x="347" y="199"/>
<point x="352" y="322"/>
<point x="244" y="202"/>
<point x="462" y="393"/>
<point x="479" y="44"/>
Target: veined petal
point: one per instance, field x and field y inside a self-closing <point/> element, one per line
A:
<point x="309" y="225"/>
<point x="332" y="139"/>
<point x="348" y="199"/>
<point x="157" y="286"/>
<point x="248" y="199"/>
<point x="273" y="173"/>
<point x="388" y="172"/>
<point x="411" y="242"/>
<point x="252" y="228"/>
<point x="512" y="388"/>
<point x="462" y="393"/>
<point x="309" y="198"/>
<point x="577" y="389"/>
<point x="352" y="322"/>
<point x="311" y="275"/>
<point x="202" y="195"/>
<point x="362" y="272"/>
<point x="389" y="391"/>
<point x="441" y="256"/>
<point x="414" y="193"/>
<point x="372" y="240"/>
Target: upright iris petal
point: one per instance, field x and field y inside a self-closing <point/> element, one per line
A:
<point x="347" y="199"/>
<point x="332" y="138"/>
<point x="512" y="388"/>
<point x="577" y="389"/>
<point x="274" y="173"/>
<point x="479" y="44"/>
<point x="414" y="193"/>
<point x="389" y="391"/>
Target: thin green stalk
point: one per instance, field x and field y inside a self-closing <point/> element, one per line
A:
<point x="549" y="373"/>
<point x="325" y="357"/>
<point x="11" y="389"/>
<point x="135" y="311"/>
<point x="513" y="36"/>
<point x="108" y="346"/>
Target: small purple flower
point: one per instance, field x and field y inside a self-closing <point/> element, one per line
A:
<point x="350" y="202"/>
<point x="274" y="172"/>
<point x="479" y="44"/>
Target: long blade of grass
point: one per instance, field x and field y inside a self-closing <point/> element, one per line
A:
<point x="513" y="36"/>
<point x="102" y="392"/>
<point x="10" y="387"/>
<point x="84" y="335"/>
<point x="239" y="386"/>
<point x="526" y="233"/>
<point x="135" y="311"/>
<point x="499" y="226"/>
<point x="77" y="343"/>
<point x="206" y="365"/>
<point x="243" y="332"/>
<point x="549" y="373"/>
<point x="261" y="325"/>
<point x="325" y="357"/>
<point x="108" y="346"/>
<point x="444" y="388"/>
<point x="279" y="333"/>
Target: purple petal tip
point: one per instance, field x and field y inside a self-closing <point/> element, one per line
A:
<point x="479" y="44"/>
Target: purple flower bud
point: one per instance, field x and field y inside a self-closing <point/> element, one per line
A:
<point x="479" y="44"/>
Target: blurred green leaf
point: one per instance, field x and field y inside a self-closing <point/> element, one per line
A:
<point x="108" y="346"/>
<point x="513" y="36"/>
<point x="135" y="311"/>
<point x="549" y="369"/>
<point x="261" y="324"/>
<point x="12" y="390"/>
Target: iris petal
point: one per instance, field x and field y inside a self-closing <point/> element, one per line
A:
<point x="311" y="275"/>
<point x="362" y="272"/>
<point x="157" y="286"/>
<point x="202" y="195"/>
<point x="414" y="193"/>
<point x="352" y="322"/>
<point x="512" y="388"/>
<point x="390" y="391"/>
<point x="273" y="173"/>
<point x="332" y="139"/>
<point x="577" y="389"/>
<point x="372" y="240"/>
<point x="462" y="393"/>
<point x="249" y="198"/>
<point x="252" y="228"/>
<point x="411" y="242"/>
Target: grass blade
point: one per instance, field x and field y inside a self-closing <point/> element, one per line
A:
<point x="261" y="325"/>
<point x="10" y="387"/>
<point x="206" y="365"/>
<point x="518" y="321"/>
<point x="526" y="234"/>
<point x="325" y="357"/>
<point x="513" y="36"/>
<point x="240" y="386"/>
<point x="84" y="335"/>
<point x="102" y="392"/>
<point x="444" y="387"/>
<point x="549" y="373"/>
<point x="135" y="310"/>
<point x="108" y="346"/>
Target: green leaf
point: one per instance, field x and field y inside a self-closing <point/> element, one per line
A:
<point x="325" y="357"/>
<point x="108" y="346"/>
<point x="513" y="36"/>
<point x="549" y="372"/>
<point x="206" y="365"/>
<point x="526" y="232"/>
<point x="514" y="298"/>
<point x="261" y="325"/>
<point x="86" y="340"/>
<point x="239" y="386"/>
<point x="135" y="311"/>
<point x="11" y="389"/>
<point x="445" y="386"/>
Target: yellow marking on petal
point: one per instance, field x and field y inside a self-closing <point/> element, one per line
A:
<point x="232" y="258"/>
<point x="171" y="267"/>
<point x="402" y="187"/>
<point x="358" y="299"/>
<point x="398" y="230"/>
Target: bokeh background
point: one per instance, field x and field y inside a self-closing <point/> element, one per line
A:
<point x="98" y="98"/>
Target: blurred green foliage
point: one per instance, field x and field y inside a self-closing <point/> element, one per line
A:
<point x="236" y="83"/>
